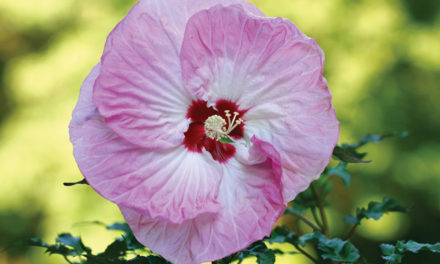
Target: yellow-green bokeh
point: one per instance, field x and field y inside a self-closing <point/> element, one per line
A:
<point x="382" y="65"/>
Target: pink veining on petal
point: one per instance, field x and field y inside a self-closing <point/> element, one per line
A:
<point x="138" y="128"/>
<point x="171" y="185"/>
<point x="139" y="88"/>
<point x="270" y="68"/>
<point x="252" y="201"/>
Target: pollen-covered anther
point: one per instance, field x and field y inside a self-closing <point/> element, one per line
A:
<point x="215" y="125"/>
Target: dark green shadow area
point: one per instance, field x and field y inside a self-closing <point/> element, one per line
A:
<point x="16" y="226"/>
<point x="423" y="11"/>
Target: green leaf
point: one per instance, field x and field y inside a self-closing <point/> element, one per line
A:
<point x="376" y="138"/>
<point x="333" y="249"/>
<point x="375" y="210"/>
<point x="338" y="250"/>
<point x="266" y="257"/>
<point x="341" y="171"/>
<point x="394" y="253"/>
<point x="415" y="247"/>
<point x="61" y="250"/>
<point x="147" y="260"/>
<point x="387" y="249"/>
<point x="116" y="249"/>
<point x="52" y="249"/>
<point x="307" y="237"/>
<point x="348" y="152"/>
<point x="281" y="234"/>
<point x="352" y="220"/>
<point x="83" y="181"/>
<point x="226" y="140"/>
<point x="132" y="243"/>
<point x="36" y="242"/>
<point x="305" y="200"/>
<point x="119" y="226"/>
<point x="258" y="249"/>
<point x="349" y="155"/>
<point x="74" y="242"/>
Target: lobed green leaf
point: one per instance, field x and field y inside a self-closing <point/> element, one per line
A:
<point x="375" y="210"/>
<point x="341" y="171"/>
<point x="349" y="153"/>
<point x="281" y="234"/>
<point x="394" y="253"/>
<point x="74" y="242"/>
<point x="333" y="249"/>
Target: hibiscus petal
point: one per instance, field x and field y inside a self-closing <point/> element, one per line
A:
<point x="139" y="90"/>
<point x="304" y="137"/>
<point x="268" y="67"/>
<point x="85" y="108"/>
<point x="251" y="199"/>
<point x="171" y="185"/>
<point x="229" y="54"/>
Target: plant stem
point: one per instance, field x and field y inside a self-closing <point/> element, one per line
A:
<point x="307" y="221"/>
<point x="321" y="211"/>
<point x="315" y="216"/>
<point x="65" y="257"/>
<point x="306" y="254"/>
<point x="351" y="233"/>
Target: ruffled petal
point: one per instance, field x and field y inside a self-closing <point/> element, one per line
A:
<point x="85" y="107"/>
<point x="251" y="199"/>
<point x="140" y="91"/>
<point x="271" y="69"/>
<point x="305" y="137"/>
<point x="229" y="54"/>
<point x="170" y="185"/>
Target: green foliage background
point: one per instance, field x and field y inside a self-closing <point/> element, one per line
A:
<point x="382" y="65"/>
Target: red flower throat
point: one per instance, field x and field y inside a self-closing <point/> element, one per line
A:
<point x="196" y="138"/>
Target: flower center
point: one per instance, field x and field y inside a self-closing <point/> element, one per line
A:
<point x="217" y="128"/>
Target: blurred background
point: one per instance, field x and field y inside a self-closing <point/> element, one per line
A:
<point x="382" y="65"/>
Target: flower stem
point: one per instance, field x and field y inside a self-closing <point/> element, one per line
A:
<point x="321" y="211"/>
<point x="351" y="233"/>
<point x="65" y="257"/>
<point x="315" y="216"/>
<point x="305" y="253"/>
<point x="307" y="221"/>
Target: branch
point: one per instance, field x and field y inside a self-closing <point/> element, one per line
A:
<point x="306" y="254"/>
<point x="351" y="233"/>
<point x="321" y="212"/>
<point x="305" y="220"/>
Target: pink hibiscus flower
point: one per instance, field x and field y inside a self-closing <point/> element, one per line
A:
<point x="202" y="120"/>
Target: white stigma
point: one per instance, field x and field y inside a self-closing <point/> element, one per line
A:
<point x="215" y="125"/>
